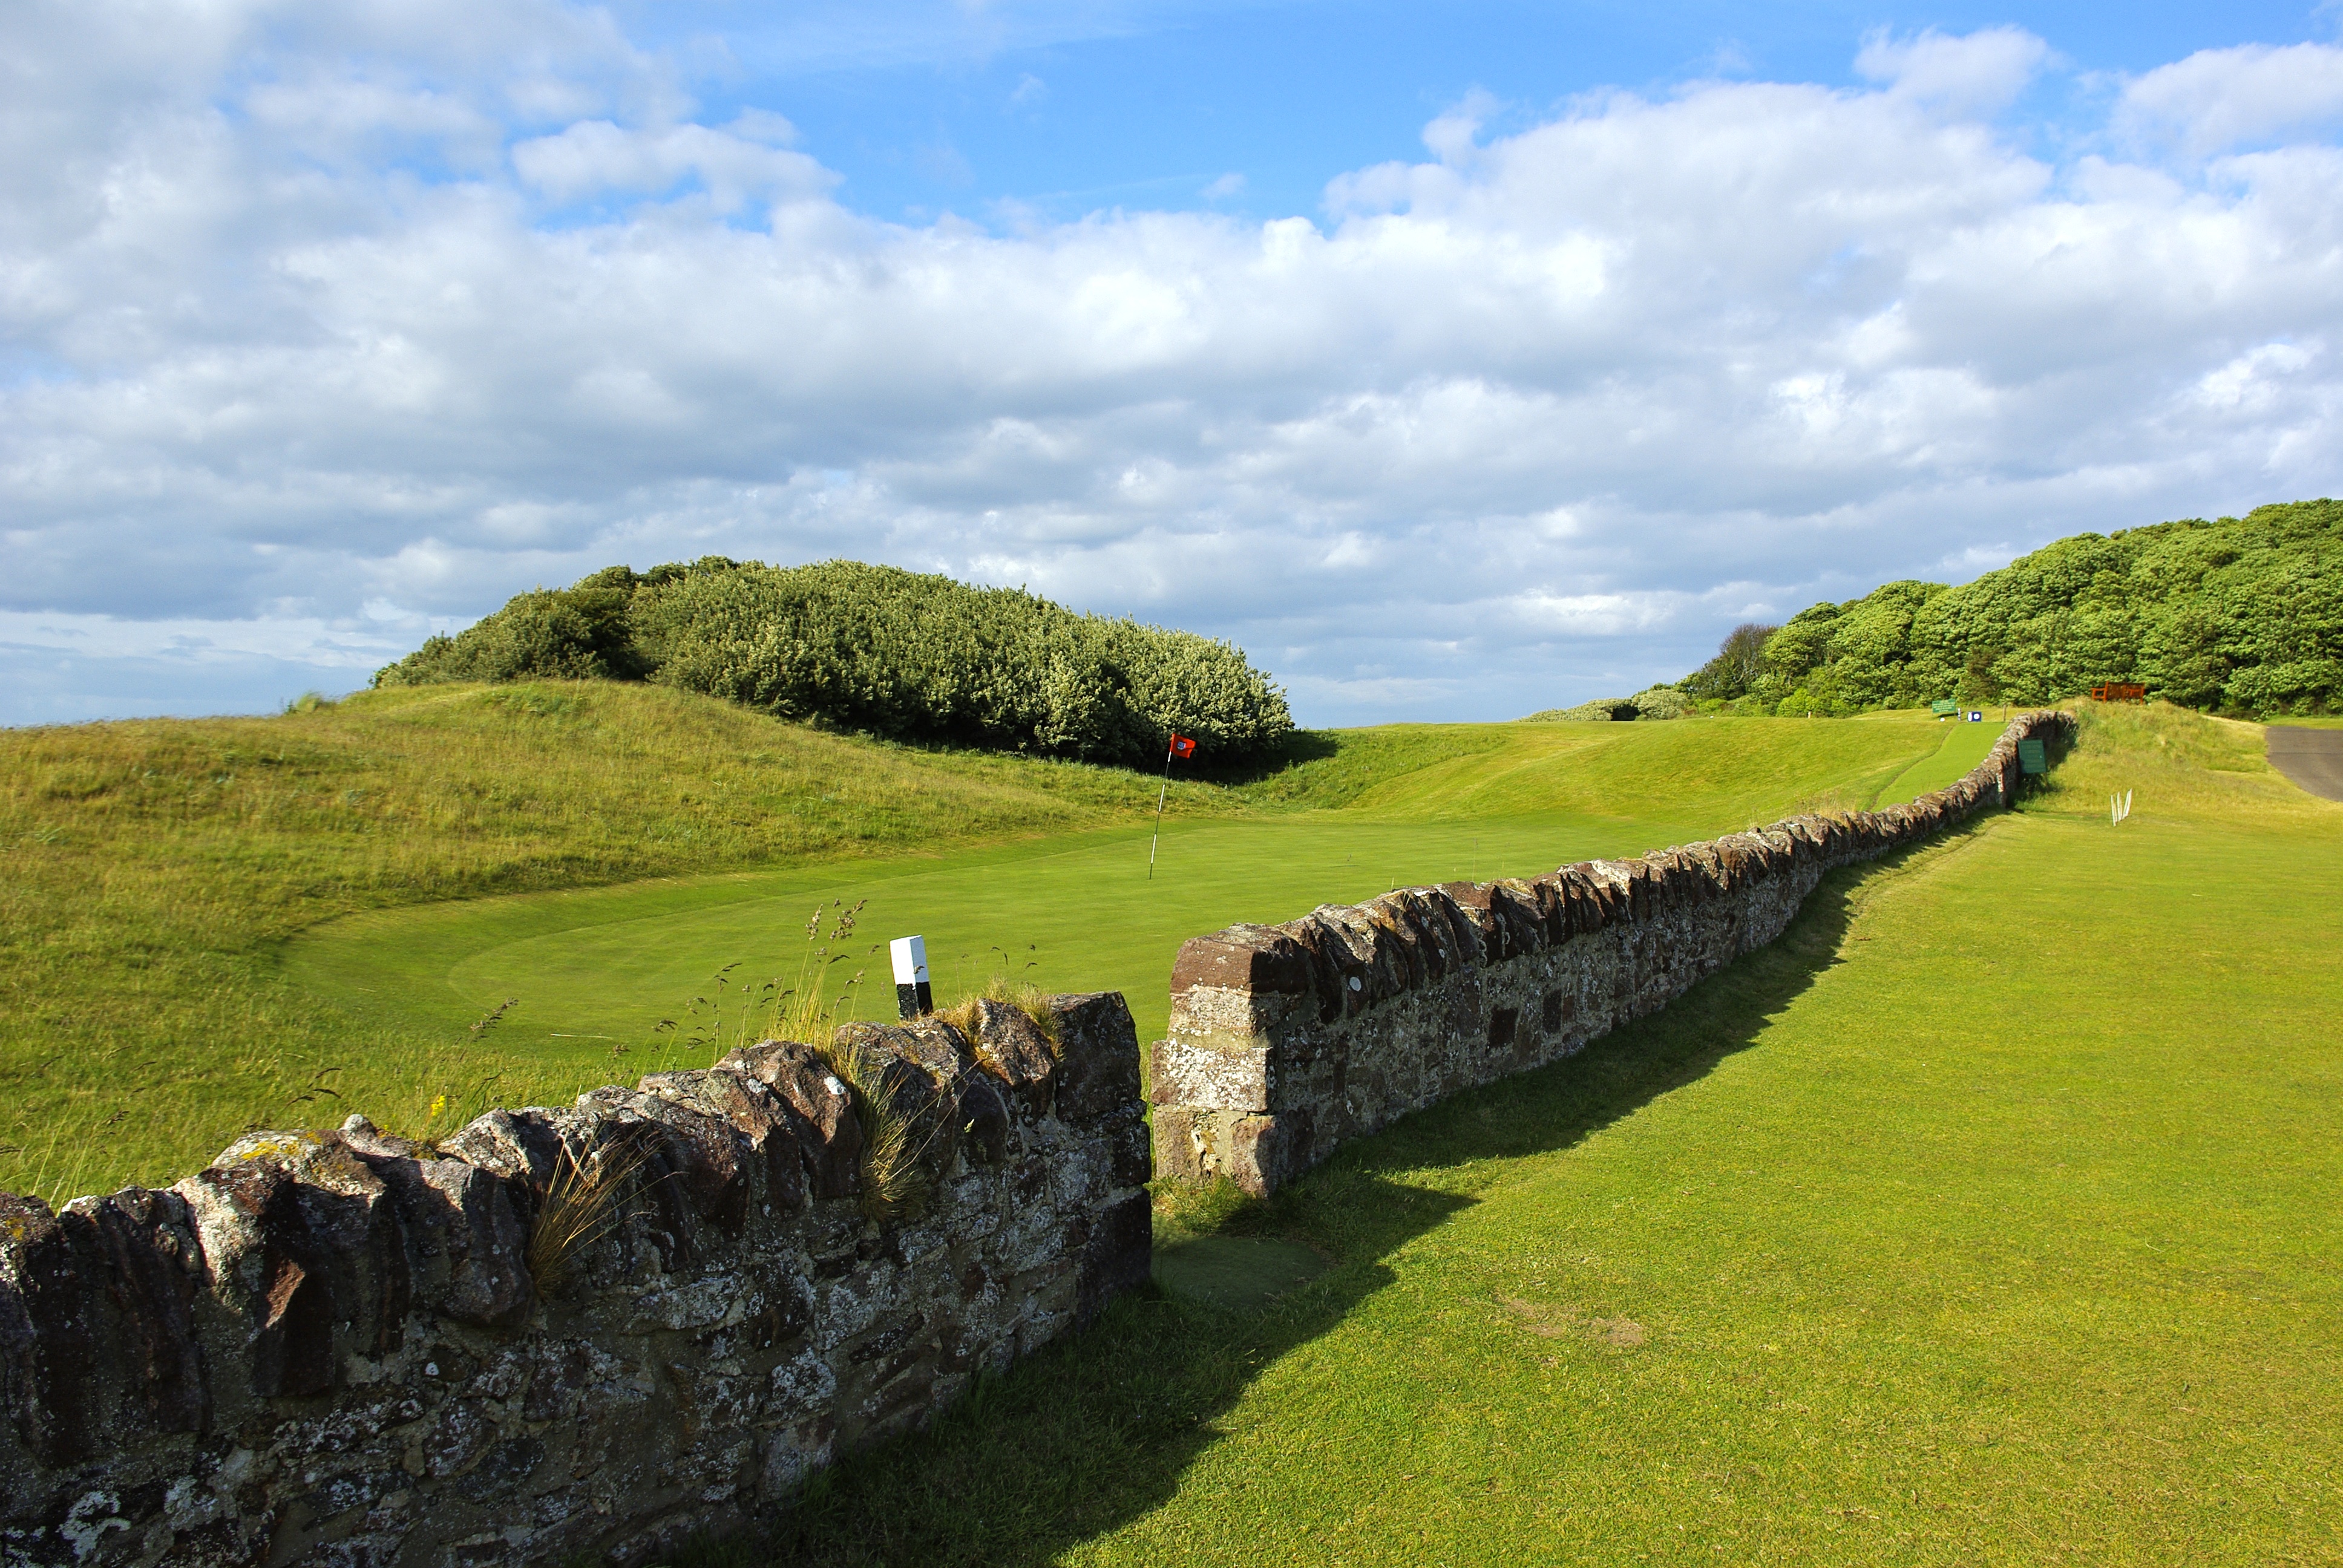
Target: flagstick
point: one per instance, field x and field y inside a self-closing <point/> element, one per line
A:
<point x="1159" y="813"/>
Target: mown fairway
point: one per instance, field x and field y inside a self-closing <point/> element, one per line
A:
<point x="160" y="992"/>
<point x="1989" y="1217"/>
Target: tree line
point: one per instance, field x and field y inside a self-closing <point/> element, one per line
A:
<point x="2240" y="615"/>
<point x="904" y="655"/>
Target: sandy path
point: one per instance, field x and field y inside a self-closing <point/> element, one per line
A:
<point x="2311" y="758"/>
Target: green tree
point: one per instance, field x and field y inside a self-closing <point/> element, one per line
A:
<point x="2242" y="614"/>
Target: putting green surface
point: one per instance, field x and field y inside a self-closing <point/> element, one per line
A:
<point x="606" y="966"/>
<point x="593" y="973"/>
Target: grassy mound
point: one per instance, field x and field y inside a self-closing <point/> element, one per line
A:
<point x="156" y="866"/>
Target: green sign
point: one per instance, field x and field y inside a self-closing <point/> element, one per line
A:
<point x="2030" y="757"/>
<point x="1943" y="705"/>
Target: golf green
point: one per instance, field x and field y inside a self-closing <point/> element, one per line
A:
<point x="598" y="970"/>
<point x="592" y="975"/>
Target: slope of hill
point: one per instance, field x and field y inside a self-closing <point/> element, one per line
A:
<point x="146" y="986"/>
<point x="2243" y="615"/>
<point x="157" y="865"/>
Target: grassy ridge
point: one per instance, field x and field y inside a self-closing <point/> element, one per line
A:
<point x="1985" y="1218"/>
<point x="162" y="868"/>
<point x="157" y="866"/>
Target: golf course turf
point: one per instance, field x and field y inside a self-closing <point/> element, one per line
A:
<point x="1075" y="911"/>
<point x="1988" y="1216"/>
<point x="302" y="916"/>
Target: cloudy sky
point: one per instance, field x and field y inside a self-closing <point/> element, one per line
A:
<point x="1456" y="361"/>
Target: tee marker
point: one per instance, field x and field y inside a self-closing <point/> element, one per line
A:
<point x="912" y="997"/>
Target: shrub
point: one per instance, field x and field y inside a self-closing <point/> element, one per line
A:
<point x="1661" y="701"/>
<point x="898" y="654"/>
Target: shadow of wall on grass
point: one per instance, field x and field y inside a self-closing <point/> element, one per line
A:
<point x="1084" y="1437"/>
<point x="1098" y="1431"/>
<point x="1552" y="1108"/>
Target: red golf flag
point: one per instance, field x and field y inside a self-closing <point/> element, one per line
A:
<point x="1182" y="747"/>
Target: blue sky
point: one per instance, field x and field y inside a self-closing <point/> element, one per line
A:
<point x="1069" y="108"/>
<point x="1456" y="362"/>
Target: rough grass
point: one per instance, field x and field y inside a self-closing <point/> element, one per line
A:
<point x="156" y="869"/>
<point x="1985" y="1218"/>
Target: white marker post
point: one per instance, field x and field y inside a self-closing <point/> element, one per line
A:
<point x="912" y="997"/>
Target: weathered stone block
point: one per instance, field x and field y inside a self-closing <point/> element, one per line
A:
<point x="327" y="1348"/>
<point x="1012" y="1048"/>
<point x="1243" y="958"/>
<point x="1265" y="1153"/>
<point x="1098" y="1055"/>
<point x="1217" y="1077"/>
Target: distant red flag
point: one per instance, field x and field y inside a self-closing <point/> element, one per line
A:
<point x="1182" y="747"/>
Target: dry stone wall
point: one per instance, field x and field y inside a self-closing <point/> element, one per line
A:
<point x="1287" y="1041"/>
<point x="338" y="1347"/>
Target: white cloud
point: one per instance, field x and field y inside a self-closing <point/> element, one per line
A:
<point x="1977" y="73"/>
<point x="1547" y="412"/>
<point x="2218" y="99"/>
<point x="734" y="165"/>
<point x="338" y="646"/>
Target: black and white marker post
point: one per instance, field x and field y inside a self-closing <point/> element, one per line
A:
<point x="912" y="997"/>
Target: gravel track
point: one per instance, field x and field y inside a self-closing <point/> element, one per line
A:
<point x="2311" y="758"/>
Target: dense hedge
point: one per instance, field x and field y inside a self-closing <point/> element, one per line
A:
<point x="2243" y="615"/>
<point x="1661" y="701"/>
<point x="875" y="648"/>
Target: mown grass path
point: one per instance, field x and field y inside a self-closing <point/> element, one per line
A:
<point x="1986" y="1218"/>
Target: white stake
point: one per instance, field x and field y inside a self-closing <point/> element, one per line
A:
<point x="1160" y="794"/>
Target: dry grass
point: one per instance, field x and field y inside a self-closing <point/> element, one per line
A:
<point x="1023" y="995"/>
<point x="811" y="1009"/>
<point x="895" y="1186"/>
<point x="581" y="1206"/>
